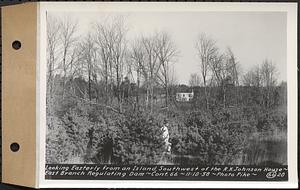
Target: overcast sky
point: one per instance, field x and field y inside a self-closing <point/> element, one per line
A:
<point x="253" y="36"/>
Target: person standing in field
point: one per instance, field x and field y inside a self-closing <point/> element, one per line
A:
<point x="166" y="136"/>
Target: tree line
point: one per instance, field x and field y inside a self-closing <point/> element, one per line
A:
<point x="107" y="60"/>
<point x="105" y="56"/>
<point x="223" y="69"/>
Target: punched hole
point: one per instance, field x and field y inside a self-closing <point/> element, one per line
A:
<point x="16" y="44"/>
<point x="14" y="147"/>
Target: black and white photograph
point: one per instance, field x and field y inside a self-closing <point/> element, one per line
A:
<point x="167" y="90"/>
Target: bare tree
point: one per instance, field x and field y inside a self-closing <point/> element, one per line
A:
<point x="138" y="56"/>
<point x="268" y="73"/>
<point x="264" y="78"/>
<point x="232" y="66"/>
<point x="88" y="58"/>
<point x="256" y="76"/>
<point x="52" y="47"/>
<point x="151" y="68"/>
<point x="219" y="69"/>
<point x="112" y="42"/>
<point x="269" y="80"/>
<point x="173" y="81"/>
<point x="166" y="52"/>
<point x="104" y="49"/>
<point x="173" y="78"/>
<point x="195" y="80"/>
<point x="119" y="51"/>
<point x="206" y="50"/>
<point x="67" y="39"/>
<point x="253" y="77"/>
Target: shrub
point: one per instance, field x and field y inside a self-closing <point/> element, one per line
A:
<point x="68" y="138"/>
<point x="88" y="134"/>
<point x="57" y="143"/>
<point x="273" y="122"/>
<point x="209" y="140"/>
<point x="139" y="139"/>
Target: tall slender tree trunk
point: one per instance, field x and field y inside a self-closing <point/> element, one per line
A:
<point x="50" y="90"/>
<point x="205" y="93"/>
<point x="118" y="88"/>
<point x="111" y="83"/>
<point x="106" y="84"/>
<point x="50" y="77"/>
<point x="206" y="98"/>
<point x="138" y="89"/>
<point x="147" y="96"/>
<point x="90" y="86"/>
<point x="224" y="95"/>
<point x="151" y="93"/>
<point x="166" y="89"/>
<point x="65" y="73"/>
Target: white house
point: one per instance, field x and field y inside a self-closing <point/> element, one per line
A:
<point x="184" y="96"/>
